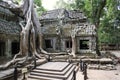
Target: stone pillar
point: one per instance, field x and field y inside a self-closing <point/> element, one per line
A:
<point x="93" y="43"/>
<point x="8" y="49"/>
<point x="54" y="43"/>
<point x="63" y="48"/>
<point x="90" y="44"/>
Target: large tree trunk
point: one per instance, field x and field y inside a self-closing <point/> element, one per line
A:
<point x="73" y="37"/>
<point x="30" y="36"/>
<point x="97" y="43"/>
<point x="73" y="46"/>
<point x="96" y="20"/>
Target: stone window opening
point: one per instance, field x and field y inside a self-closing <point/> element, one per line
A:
<point x="2" y="48"/>
<point x="84" y="44"/>
<point x="48" y="43"/>
<point x="15" y="48"/>
<point x="68" y="44"/>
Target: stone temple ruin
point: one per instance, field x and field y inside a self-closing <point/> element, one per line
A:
<point x="9" y="32"/>
<point x="57" y="26"/>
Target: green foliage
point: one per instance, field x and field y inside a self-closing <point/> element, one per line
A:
<point x="79" y="4"/>
<point x="17" y="1"/>
<point x="103" y="12"/>
<point x="109" y="28"/>
<point x="39" y="7"/>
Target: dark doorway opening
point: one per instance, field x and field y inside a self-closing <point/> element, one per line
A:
<point x="15" y="48"/>
<point x="84" y="44"/>
<point x="2" y="48"/>
<point x="68" y="44"/>
<point x="48" y="43"/>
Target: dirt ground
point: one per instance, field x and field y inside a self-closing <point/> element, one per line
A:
<point x="101" y="74"/>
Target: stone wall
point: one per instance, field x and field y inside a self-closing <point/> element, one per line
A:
<point x="8" y="40"/>
<point x="57" y="26"/>
<point x="59" y="40"/>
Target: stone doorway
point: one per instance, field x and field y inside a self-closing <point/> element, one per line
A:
<point x="68" y="44"/>
<point x="2" y="48"/>
<point x="84" y="44"/>
<point x="48" y="43"/>
<point x="15" y="48"/>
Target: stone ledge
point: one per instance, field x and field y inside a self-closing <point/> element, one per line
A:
<point x="6" y="73"/>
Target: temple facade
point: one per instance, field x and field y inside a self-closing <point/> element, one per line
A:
<point x="57" y="26"/>
<point x="9" y="32"/>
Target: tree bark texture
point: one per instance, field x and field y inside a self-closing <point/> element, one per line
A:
<point x="96" y="19"/>
<point x="30" y="36"/>
<point x="73" y="46"/>
<point x="73" y="37"/>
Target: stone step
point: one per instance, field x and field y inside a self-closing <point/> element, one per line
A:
<point x="70" y="77"/>
<point x="55" y="76"/>
<point x="34" y="77"/>
<point x="56" y="60"/>
<point x="54" y="72"/>
<point x="54" y="66"/>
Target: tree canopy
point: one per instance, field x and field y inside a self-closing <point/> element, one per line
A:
<point x="38" y="5"/>
<point x="109" y="27"/>
<point x="104" y="12"/>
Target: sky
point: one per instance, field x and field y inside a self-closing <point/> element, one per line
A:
<point x="49" y="4"/>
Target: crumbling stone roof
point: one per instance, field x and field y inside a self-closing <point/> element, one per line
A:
<point x="6" y="11"/>
<point x="75" y="17"/>
<point x="9" y="27"/>
<point x="66" y="30"/>
<point x="62" y="14"/>
<point x="74" y="14"/>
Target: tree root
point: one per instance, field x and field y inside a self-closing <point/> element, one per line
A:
<point x="13" y="61"/>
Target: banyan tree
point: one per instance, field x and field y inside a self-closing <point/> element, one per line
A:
<point x="30" y="35"/>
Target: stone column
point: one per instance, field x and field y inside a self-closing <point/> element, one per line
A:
<point x="54" y="43"/>
<point x="8" y="49"/>
<point x="90" y="44"/>
<point x="93" y="43"/>
<point x="63" y="48"/>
